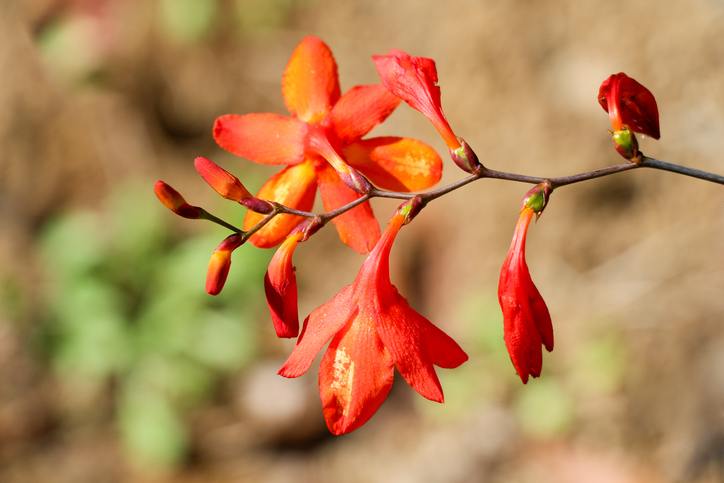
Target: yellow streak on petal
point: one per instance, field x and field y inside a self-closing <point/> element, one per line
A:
<point x="343" y="380"/>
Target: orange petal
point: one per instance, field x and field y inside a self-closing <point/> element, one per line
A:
<point x="355" y="376"/>
<point x="358" y="227"/>
<point x="396" y="164"/>
<point x="360" y="109"/>
<point x="310" y="86"/>
<point x="263" y="138"/>
<point x="294" y="187"/>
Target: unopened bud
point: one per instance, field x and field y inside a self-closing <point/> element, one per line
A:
<point x="625" y="143"/>
<point x="175" y="202"/>
<point x="223" y="182"/>
<point x="465" y="158"/>
<point x="220" y="263"/>
<point x="258" y="205"/>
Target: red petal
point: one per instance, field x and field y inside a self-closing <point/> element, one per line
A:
<point x="355" y="376"/>
<point x="360" y="109"/>
<point x="358" y="227"/>
<point x="280" y="286"/>
<point x="636" y="104"/>
<point x="310" y="86"/>
<point x="318" y="328"/>
<point x="416" y="344"/>
<point x="294" y="187"/>
<point x="396" y="164"/>
<point x="263" y="138"/>
<point x="414" y="79"/>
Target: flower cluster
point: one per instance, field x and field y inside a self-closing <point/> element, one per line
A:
<point x="370" y="328"/>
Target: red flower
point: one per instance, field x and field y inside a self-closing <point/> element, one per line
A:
<point x="414" y="80"/>
<point x="373" y="330"/>
<point x="630" y="105"/>
<point x="321" y="146"/>
<point x="526" y="321"/>
<point x="280" y="286"/>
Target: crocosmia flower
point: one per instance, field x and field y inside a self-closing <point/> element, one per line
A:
<point x="280" y="286"/>
<point x="372" y="331"/>
<point x="629" y="105"/>
<point x="414" y="80"/>
<point x="526" y="320"/>
<point x="321" y="146"/>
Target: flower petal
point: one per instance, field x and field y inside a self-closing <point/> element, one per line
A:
<point x="360" y="109"/>
<point x="396" y="164"/>
<point x="416" y="344"/>
<point x="355" y="376"/>
<point x="358" y="227"/>
<point x="310" y="86"/>
<point x="635" y="104"/>
<point x="263" y="138"/>
<point x="319" y="327"/>
<point x="414" y="80"/>
<point x="294" y="187"/>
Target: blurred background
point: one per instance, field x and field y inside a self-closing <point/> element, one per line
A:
<point x="115" y="366"/>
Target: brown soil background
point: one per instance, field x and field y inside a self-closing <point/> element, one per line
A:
<point x="635" y="258"/>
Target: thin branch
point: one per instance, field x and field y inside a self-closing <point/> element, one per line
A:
<point x="675" y="168"/>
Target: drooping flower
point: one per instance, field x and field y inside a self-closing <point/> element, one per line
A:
<point x="632" y="108"/>
<point x="220" y="264"/>
<point x="629" y="104"/>
<point x="526" y="320"/>
<point x="414" y="80"/>
<point x="280" y="286"/>
<point x="322" y="146"/>
<point x="372" y="330"/>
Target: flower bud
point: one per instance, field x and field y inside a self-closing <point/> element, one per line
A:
<point x="223" y="182"/>
<point x="465" y="158"/>
<point x="625" y="143"/>
<point x="220" y="263"/>
<point x="537" y="198"/>
<point x="411" y="208"/>
<point x="175" y="202"/>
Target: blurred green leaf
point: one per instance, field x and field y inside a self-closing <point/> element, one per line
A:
<point x="187" y="21"/>
<point x="544" y="408"/>
<point x="152" y="432"/>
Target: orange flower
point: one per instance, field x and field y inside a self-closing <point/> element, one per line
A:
<point x="373" y="330"/>
<point x="220" y="264"/>
<point x="526" y="321"/>
<point x="172" y="200"/>
<point x="322" y="146"/>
